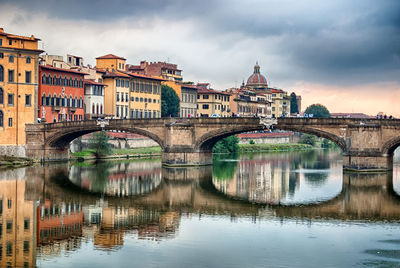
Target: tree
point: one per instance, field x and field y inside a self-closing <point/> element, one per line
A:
<point x="169" y="102"/>
<point x="294" y="109"/>
<point x="99" y="142"/>
<point x="318" y="110"/>
<point x="308" y="139"/>
<point x="227" y="145"/>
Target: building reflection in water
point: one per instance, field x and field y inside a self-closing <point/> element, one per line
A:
<point x="275" y="180"/>
<point x="17" y="225"/>
<point x="121" y="179"/>
<point x="42" y="219"/>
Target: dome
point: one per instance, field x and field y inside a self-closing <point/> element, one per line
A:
<point x="257" y="79"/>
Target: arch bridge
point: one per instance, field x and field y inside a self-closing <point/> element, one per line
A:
<point x="367" y="144"/>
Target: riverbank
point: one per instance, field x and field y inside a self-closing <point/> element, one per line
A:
<point x="279" y="147"/>
<point x="11" y="161"/>
<point x="144" y="152"/>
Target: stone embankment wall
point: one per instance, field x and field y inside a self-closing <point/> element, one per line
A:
<point x="13" y="150"/>
<point x="268" y="138"/>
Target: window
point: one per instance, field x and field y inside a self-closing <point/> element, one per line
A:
<point x="205" y="106"/>
<point x="117" y="111"/>
<point x="11" y="76"/>
<point x="9" y="225"/>
<point x="1" y="125"/>
<point x="1" y="73"/>
<point x="28" y="100"/>
<point x="9" y="249"/>
<point x="43" y="79"/>
<point x="1" y="42"/>
<point x="26" y="246"/>
<point x="10" y="99"/>
<point x="11" y="58"/>
<point x="1" y="53"/>
<point x="117" y="96"/>
<point x="28" y="75"/>
<point x="1" y="96"/>
<point x="205" y="97"/>
<point x="55" y="80"/>
<point x="27" y="225"/>
<point x="28" y="60"/>
<point x="10" y="42"/>
<point x="117" y="82"/>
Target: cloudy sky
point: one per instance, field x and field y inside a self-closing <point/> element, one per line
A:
<point x="343" y="54"/>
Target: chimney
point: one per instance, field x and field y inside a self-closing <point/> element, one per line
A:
<point x="1" y="30"/>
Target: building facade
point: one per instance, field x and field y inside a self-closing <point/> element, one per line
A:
<point x="280" y="103"/>
<point x="212" y="102"/>
<point x="19" y="65"/>
<point x="188" y="101"/>
<point x="94" y="99"/>
<point x="127" y="94"/>
<point x="167" y="71"/>
<point x="61" y="94"/>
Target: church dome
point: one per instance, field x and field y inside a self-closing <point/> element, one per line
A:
<point x="257" y="79"/>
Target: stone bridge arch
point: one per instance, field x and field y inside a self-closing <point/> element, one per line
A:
<point x="391" y="145"/>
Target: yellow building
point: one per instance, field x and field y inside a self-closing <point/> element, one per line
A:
<point x="145" y="96"/>
<point x="212" y="103"/>
<point x="280" y="103"/>
<point x="19" y="68"/>
<point x="127" y="94"/>
<point x="17" y="226"/>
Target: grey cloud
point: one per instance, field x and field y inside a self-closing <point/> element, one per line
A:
<point x="348" y="41"/>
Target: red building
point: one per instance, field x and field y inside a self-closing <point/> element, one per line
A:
<point x="58" y="222"/>
<point x="61" y="94"/>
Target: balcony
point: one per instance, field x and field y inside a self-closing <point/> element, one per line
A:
<point x="56" y="108"/>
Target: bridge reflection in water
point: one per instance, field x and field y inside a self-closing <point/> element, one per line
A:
<point x="61" y="206"/>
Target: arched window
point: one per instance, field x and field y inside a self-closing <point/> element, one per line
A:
<point x="59" y="100"/>
<point x="65" y="101"/>
<point x="60" y="81"/>
<point x="76" y="102"/>
<point x="76" y="82"/>
<point x="62" y="101"/>
<point x="48" y="100"/>
<point x="101" y="108"/>
<point x="55" y="80"/>
<point x="80" y="83"/>
<point x="70" y="82"/>
<point x="28" y="60"/>
<point x="49" y="82"/>
<point x="93" y="108"/>
<point x="1" y="119"/>
<point x="53" y="100"/>
<point x="44" y="99"/>
<point x="80" y="102"/>
<point x="65" y="81"/>
<point x="43" y="79"/>
<point x="97" y="109"/>
<point x="70" y="101"/>
<point x="1" y="96"/>
<point x="1" y="73"/>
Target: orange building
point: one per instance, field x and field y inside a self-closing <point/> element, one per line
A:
<point x="17" y="226"/>
<point x="61" y="94"/>
<point x="19" y="67"/>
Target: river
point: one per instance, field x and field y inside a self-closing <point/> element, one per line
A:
<point x="294" y="209"/>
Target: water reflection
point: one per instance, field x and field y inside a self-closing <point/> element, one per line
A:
<point x="284" y="178"/>
<point x="121" y="179"/>
<point x="43" y="216"/>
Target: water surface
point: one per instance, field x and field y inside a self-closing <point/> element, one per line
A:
<point x="259" y="210"/>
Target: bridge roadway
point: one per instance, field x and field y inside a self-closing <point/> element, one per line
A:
<point x="367" y="144"/>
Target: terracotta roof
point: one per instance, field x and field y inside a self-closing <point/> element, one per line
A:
<point x="48" y="67"/>
<point x="110" y="56"/>
<point x="203" y="90"/>
<point x="128" y="75"/>
<point x="256" y="79"/>
<point x="90" y="82"/>
<point x="13" y="36"/>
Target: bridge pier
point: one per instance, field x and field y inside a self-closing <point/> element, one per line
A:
<point x="186" y="158"/>
<point x="372" y="163"/>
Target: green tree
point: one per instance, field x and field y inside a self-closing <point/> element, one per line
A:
<point x="169" y="102"/>
<point x="294" y="109"/>
<point x="99" y="143"/>
<point x="318" y="110"/>
<point x="308" y="139"/>
<point x="227" y="145"/>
